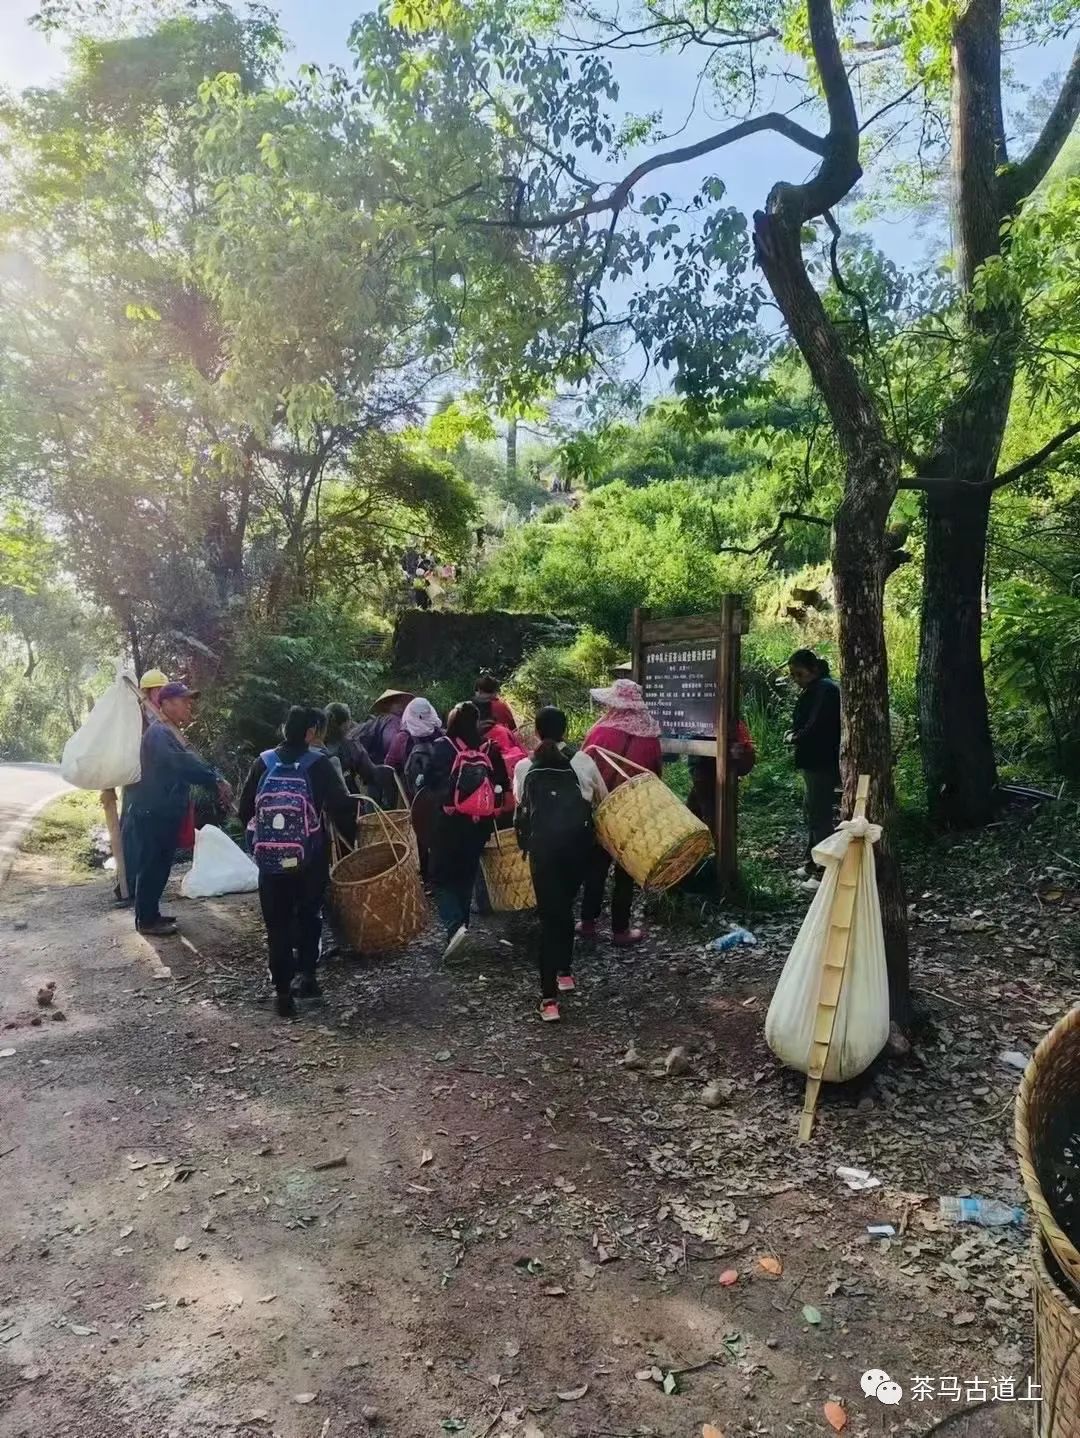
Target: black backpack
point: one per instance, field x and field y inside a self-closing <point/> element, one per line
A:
<point x="553" y="815"/>
<point x="416" y="765"/>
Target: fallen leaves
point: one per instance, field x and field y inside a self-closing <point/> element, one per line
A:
<point x="728" y="1278"/>
<point x="571" y="1395"/>
<point x="7" y="1053"/>
<point x="426" y="1157"/>
<point x="811" y="1314"/>
<point x="304" y="1398"/>
<point x="339" y="1160"/>
<point x="835" y="1416"/>
<point x="768" y="1264"/>
<point x="710" y="1430"/>
<point x="182" y="1244"/>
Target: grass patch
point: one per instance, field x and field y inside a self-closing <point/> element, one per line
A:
<point x="64" y="831"/>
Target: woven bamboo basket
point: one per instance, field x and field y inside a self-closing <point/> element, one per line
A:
<point x="507" y="874"/>
<point x="376" y="893"/>
<point x="1057" y="1349"/>
<point x="1048" y="1138"/>
<point x="369" y="828"/>
<point x="647" y="830"/>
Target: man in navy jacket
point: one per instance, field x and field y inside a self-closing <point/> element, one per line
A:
<point x="169" y="769"/>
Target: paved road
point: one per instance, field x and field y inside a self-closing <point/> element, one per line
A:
<point x="25" y="789"/>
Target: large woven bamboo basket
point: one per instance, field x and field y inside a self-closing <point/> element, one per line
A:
<point x="507" y="874"/>
<point x="376" y="892"/>
<point x="1057" y="1349"/>
<point x="1048" y="1139"/>
<point x="647" y="830"/>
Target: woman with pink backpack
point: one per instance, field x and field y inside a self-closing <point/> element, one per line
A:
<point x="468" y="776"/>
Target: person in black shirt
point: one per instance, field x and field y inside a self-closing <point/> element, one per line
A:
<point x="815" y="736"/>
<point x="292" y="900"/>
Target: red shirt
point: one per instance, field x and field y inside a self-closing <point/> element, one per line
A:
<point x="639" y="749"/>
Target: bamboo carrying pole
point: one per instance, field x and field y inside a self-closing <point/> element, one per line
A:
<point x="834" y="965"/>
<point x="112" y="823"/>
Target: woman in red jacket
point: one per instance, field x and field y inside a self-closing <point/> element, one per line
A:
<point x="628" y="729"/>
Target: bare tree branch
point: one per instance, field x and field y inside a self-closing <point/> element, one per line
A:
<point x="620" y="195"/>
<point x="772" y="539"/>
<point x="1018" y="181"/>
<point x="1033" y="461"/>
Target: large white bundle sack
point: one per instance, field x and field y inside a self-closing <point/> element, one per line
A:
<point x="862" y="1016"/>
<point x="104" y="752"/>
<point x="218" y="867"/>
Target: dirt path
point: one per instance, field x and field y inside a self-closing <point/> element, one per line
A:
<point x="417" y="1211"/>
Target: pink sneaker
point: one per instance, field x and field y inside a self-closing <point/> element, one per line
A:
<point x="585" y="928"/>
<point x="566" y="983"/>
<point x="549" y="1011"/>
<point x="627" y="938"/>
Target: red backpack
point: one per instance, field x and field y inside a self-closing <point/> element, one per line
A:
<point x="472" y="784"/>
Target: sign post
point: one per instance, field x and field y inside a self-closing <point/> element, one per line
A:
<point x="689" y="671"/>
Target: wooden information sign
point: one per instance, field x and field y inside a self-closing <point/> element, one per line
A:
<point x="689" y="671"/>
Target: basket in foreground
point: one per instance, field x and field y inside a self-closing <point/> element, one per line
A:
<point x="507" y="875"/>
<point x="1047" y="1125"/>
<point x="376" y="893"/>
<point x="650" y="833"/>
<point x="1057" y="1349"/>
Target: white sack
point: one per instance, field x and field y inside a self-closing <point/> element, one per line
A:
<point x="104" y="753"/>
<point x="862" y="1018"/>
<point x="218" y="867"/>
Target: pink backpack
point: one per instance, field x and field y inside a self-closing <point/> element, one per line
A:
<point x="472" y="785"/>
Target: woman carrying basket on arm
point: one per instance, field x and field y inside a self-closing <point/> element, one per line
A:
<point x="468" y="777"/>
<point x="628" y="730"/>
<point x="287" y="793"/>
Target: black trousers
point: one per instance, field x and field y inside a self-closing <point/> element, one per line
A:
<point x="622" y="891"/>
<point x="453" y="864"/>
<point x="556" y="879"/>
<point x="819" y="805"/>
<point x="150" y="840"/>
<point x="292" y="912"/>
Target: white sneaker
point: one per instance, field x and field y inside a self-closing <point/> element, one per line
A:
<point x="808" y="886"/>
<point x="457" y="942"/>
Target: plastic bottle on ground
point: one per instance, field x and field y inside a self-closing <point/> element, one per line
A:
<point x="732" y="940"/>
<point x="987" y="1212"/>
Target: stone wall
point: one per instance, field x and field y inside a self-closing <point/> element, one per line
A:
<point x="433" y="644"/>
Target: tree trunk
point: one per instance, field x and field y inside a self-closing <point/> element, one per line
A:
<point x="872" y="474"/>
<point x="859" y="580"/>
<point x="511" y="450"/>
<point x="957" y="748"/>
<point x="954" y="722"/>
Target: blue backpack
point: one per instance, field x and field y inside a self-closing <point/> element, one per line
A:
<point x="288" y="828"/>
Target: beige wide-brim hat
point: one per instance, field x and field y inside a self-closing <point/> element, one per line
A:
<point x="388" y="696"/>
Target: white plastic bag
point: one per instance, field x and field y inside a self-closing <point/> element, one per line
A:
<point x="104" y="752"/>
<point x="862" y="1017"/>
<point x="219" y="867"/>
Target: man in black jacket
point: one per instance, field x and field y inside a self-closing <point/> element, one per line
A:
<point x="292" y="898"/>
<point x="815" y="735"/>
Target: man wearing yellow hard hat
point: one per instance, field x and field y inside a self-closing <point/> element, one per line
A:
<point x="150" y="685"/>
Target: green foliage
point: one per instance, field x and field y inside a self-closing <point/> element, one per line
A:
<point x="1033" y="639"/>
<point x="563" y="676"/>
<point x="66" y="831"/>
<point x="312" y="658"/>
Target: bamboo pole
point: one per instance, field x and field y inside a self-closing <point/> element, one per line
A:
<point x="112" y="823"/>
<point x="834" y="965"/>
